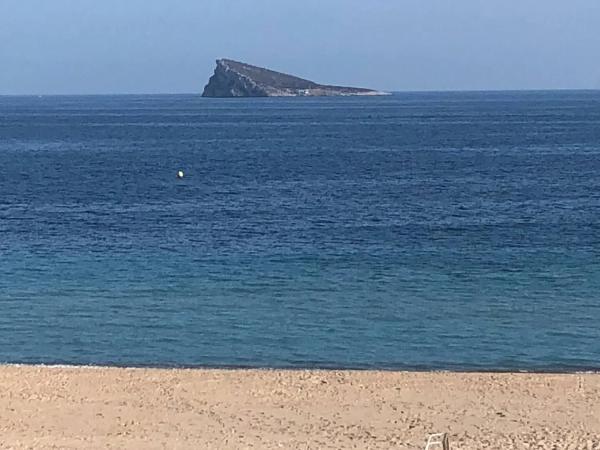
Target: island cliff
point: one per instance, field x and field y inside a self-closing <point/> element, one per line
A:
<point x="236" y="79"/>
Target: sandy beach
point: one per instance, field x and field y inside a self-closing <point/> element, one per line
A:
<point x="75" y="407"/>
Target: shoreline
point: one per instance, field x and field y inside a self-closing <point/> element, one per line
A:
<point x="592" y="371"/>
<point x="96" y="407"/>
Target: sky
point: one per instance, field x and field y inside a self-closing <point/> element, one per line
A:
<point x="170" y="46"/>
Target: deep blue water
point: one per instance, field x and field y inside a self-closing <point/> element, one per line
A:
<point x="419" y="230"/>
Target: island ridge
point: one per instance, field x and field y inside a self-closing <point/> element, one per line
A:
<point x="237" y="79"/>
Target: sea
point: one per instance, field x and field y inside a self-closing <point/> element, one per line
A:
<point x="417" y="231"/>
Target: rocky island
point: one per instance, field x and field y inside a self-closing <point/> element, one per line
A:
<point x="236" y="79"/>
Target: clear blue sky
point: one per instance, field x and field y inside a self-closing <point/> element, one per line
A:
<point x="152" y="46"/>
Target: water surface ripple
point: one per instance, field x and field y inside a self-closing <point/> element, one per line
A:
<point x="420" y="230"/>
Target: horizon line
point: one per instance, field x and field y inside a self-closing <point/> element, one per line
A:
<point x="199" y="94"/>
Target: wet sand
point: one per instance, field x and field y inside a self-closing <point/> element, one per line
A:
<point x="75" y="407"/>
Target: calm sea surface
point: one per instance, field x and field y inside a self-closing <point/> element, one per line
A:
<point x="421" y="230"/>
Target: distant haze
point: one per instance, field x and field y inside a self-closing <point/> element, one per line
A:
<point x="169" y="46"/>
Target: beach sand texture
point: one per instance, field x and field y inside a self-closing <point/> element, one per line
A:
<point x="64" y="407"/>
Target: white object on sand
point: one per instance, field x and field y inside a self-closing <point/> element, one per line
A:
<point x="437" y="441"/>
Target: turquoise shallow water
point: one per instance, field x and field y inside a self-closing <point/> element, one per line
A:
<point x="421" y="231"/>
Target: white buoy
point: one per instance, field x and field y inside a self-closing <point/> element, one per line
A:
<point x="180" y="174"/>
